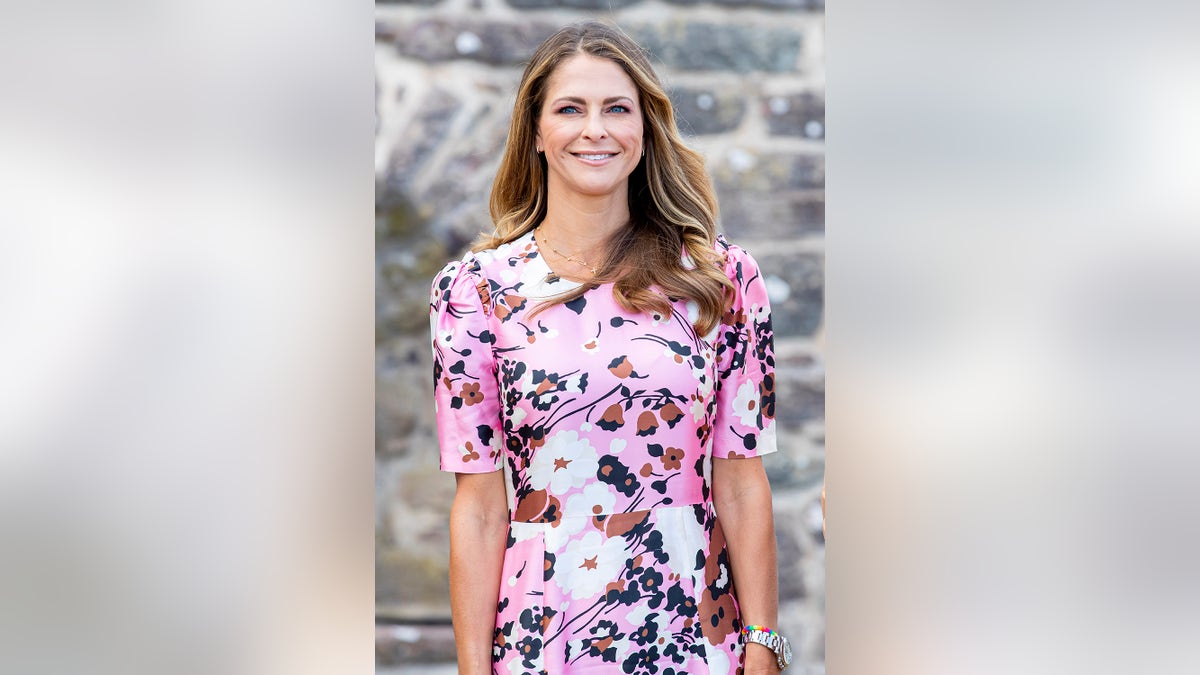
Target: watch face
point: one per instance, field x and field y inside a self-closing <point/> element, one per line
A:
<point x="787" y="653"/>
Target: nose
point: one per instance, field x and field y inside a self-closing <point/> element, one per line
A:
<point x="593" y="129"/>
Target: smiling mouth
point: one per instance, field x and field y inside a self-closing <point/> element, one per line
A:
<point x="595" y="157"/>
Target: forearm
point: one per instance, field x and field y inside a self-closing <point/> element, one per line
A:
<point x="742" y="496"/>
<point x="749" y="529"/>
<point x="477" y="541"/>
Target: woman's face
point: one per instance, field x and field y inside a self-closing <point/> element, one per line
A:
<point x="590" y="127"/>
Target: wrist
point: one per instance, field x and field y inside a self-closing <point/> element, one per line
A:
<point x="759" y="659"/>
<point x="773" y="646"/>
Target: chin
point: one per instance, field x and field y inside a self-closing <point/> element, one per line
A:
<point x="598" y="189"/>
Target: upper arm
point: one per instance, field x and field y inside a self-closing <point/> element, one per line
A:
<point x="466" y="392"/>
<point x="744" y="418"/>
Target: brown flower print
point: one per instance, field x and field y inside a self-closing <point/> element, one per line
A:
<point x="613" y="418"/>
<point x="621" y="367"/>
<point x="647" y="424"/>
<point x="672" y="459"/>
<point x="671" y="414"/>
<point x="538" y="506"/>
<point x="470" y="393"/>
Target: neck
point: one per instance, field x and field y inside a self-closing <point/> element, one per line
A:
<point x="584" y="224"/>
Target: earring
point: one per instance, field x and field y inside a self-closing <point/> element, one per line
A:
<point x="539" y="149"/>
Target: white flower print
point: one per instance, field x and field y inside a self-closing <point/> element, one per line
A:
<point x="758" y="313"/>
<point x="516" y="667"/>
<point x="586" y="566"/>
<point x="571" y="384"/>
<point x="718" y="662"/>
<point x="704" y="388"/>
<point x="698" y="409"/>
<point x="637" y="614"/>
<point x="517" y="416"/>
<point x="532" y="276"/>
<point x="595" y="499"/>
<point x="683" y="537"/>
<point x="484" y="257"/>
<point x="745" y="404"/>
<point x="565" y="461"/>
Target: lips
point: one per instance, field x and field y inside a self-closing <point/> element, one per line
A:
<point x="594" y="156"/>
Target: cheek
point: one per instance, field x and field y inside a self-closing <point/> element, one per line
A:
<point x="633" y="131"/>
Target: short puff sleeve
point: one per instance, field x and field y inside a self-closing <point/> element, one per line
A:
<point x="744" y="420"/>
<point x="466" y="393"/>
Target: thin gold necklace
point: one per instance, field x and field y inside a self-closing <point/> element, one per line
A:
<point x="578" y="261"/>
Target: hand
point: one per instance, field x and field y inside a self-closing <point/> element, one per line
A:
<point x="822" y="509"/>
<point x="760" y="661"/>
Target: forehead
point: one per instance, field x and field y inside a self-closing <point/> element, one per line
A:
<point x="586" y="76"/>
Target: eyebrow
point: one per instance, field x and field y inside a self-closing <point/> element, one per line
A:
<point x="580" y="101"/>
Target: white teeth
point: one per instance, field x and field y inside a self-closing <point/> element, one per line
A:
<point x="596" y="157"/>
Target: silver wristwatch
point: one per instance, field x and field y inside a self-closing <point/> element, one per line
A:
<point x="773" y="641"/>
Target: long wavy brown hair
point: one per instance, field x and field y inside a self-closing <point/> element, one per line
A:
<point x="671" y="203"/>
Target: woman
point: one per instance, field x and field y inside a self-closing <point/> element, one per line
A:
<point x="604" y="379"/>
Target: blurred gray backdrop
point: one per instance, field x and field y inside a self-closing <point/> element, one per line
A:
<point x="748" y="79"/>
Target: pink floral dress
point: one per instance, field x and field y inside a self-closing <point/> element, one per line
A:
<point x="605" y="423"/>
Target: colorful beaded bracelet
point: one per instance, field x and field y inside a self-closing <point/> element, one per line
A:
<point x="747" y="629"/>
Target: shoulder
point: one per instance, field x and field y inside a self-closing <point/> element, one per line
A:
<point x="485" y="271"/>
<point x="492" y="263"/>
<point x="453" y="272"/>
<point x="457" y="281"/>
<point x="737" y="262"/>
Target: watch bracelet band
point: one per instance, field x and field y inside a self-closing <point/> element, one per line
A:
<point x="761" y="635"/>
<point x="771" y="640"/>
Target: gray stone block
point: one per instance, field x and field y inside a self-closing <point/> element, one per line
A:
<point x="679" y="44"/>
<point x="425" y="132"/>
<point x="803" y="400"/>
<point x="769" y="4"/>
<point x="431" y="645"/>
<point x="705" y="111"/>
<point x="494" y="42"/>
<point x="688" y="45"/>
<point x="571" y="4"/>
<point x="770" y="195"/>
<point x="797" y="287"/>
<point x="790" y="553"/>
<point x="797" y="115"/>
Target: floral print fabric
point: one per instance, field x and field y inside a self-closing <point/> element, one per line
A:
<point x="605" y="423"/>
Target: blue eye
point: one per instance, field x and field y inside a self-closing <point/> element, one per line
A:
<point x="618" y="109"/>
<point x="568" y="110"/>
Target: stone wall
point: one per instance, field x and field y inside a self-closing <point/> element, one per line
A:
<point x="747" y="77"/>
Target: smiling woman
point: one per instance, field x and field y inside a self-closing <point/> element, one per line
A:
<point x="604" y="381"/>
<point x="590" y="133"/>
